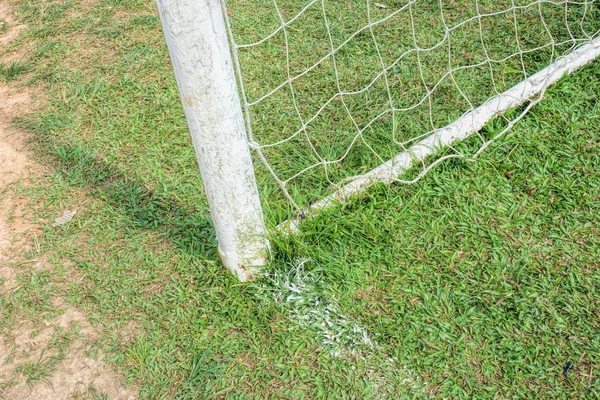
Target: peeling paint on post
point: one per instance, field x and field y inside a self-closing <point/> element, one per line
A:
<point x="198" y="45"/>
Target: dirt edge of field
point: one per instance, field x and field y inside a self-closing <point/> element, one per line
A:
<point x="39" y="358"/>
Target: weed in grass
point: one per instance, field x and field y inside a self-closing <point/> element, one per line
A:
<point x="39" y="370"/>
<point x="61" y="340"/>
<point x="14" y="69"/>
<point x="91" y="393"/>
<point x="139" y="351"/>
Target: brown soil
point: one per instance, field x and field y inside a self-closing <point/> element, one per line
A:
<point x="15" y="165"/>
<point x="79" y="372"/>
<point x="13" y="28"/>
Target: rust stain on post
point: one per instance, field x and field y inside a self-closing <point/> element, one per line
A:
<point x="188" y="100"/>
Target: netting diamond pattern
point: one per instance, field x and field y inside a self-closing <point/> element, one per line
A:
<point x="331" y="89"/>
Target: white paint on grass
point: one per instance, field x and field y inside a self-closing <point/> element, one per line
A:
<point x="299" y="294"/>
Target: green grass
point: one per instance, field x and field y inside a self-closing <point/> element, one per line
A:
<point x="39" y="370"/>
<point x="13" y="70"/>
<point x="91" y="393"/>
<point x="411" y="76"/>
<point x="479" y="281"/>
<point x="3" y="26"/>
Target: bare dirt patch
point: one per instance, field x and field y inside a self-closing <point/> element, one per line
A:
<point x="15" y="165"/>
<point x="9" y="28"/>
<point x="56" y="358"/>
<point x="78" y="372"/>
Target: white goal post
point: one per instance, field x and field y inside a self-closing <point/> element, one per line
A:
<point x="197" y="40"/>
<point x="220" y="103"/>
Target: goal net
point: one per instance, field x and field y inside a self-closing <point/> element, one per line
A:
<point x="340" y="94"/>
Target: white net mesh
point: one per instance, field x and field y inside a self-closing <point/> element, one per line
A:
<point x="333" y="89"/>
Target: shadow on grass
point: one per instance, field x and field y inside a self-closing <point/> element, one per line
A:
<point x="189" y="228"/>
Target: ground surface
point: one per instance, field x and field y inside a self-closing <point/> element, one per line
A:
<point x="42" y="355"/>
<point x="480" y="281"/>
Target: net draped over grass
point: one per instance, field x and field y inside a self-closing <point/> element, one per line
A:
<point x="481" y="280"/>
<point x="333" y="89"/>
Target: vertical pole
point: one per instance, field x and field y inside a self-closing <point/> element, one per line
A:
<point x="199" y="48"/>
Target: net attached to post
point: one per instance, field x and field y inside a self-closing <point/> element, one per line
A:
<point x="339" y="95"/>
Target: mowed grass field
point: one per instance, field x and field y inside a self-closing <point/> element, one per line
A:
<point x="480" y="281"/>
